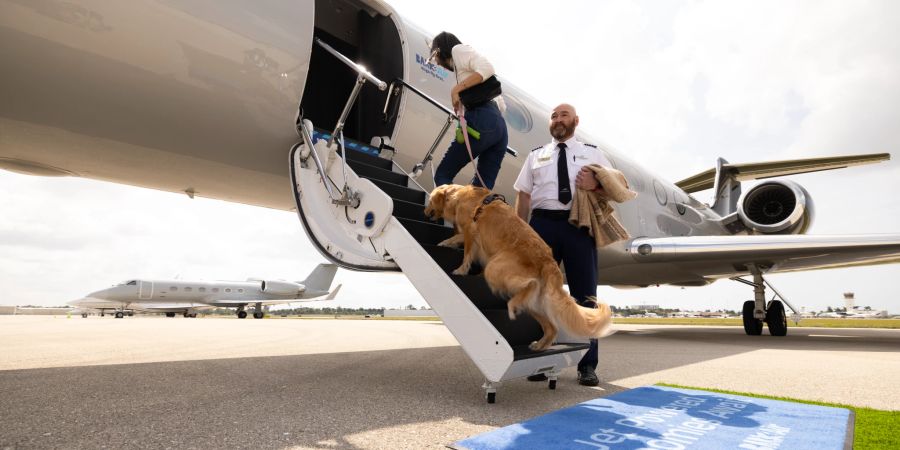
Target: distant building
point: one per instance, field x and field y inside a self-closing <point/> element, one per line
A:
<point x="643" y="307"/>
<point x="17" y="311"/>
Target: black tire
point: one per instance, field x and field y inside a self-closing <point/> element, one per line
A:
<point x="776" y="318"/>
<point x="552" y="384"/>
<point x="492" y="397"/>
<point x="752" y="325"/>
<point x="84" y="316"/>
<point x="242" y="314"/>
<point x="119" y="315"/>
<point x="170" y="314"/>
<point x="258" y="315"/>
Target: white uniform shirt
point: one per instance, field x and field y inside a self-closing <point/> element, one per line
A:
<point x="539" y="176"/>
<point x="467" y="61"/>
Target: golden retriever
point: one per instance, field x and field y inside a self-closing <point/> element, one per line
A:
<point x="517" y="263"/>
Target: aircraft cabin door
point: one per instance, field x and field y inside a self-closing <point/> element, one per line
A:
<point x="145" y="290"/>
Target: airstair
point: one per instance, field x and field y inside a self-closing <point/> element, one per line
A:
<point x="365" y="212"/>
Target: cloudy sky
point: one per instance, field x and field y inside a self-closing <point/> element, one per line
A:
<point x="673" y="84"/>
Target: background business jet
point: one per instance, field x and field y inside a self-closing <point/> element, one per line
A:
<point x="187" y="297"/>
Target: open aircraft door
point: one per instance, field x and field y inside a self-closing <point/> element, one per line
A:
<point x="145" y="290"/>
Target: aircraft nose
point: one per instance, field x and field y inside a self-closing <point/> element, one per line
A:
<point x="102" y="294"/>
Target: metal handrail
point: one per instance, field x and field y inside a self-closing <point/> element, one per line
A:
<point x="435" y="103"/>
<point x="307" y="140"/>
<point x="358" y="68"/>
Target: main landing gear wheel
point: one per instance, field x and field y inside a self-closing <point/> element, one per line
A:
<point x="242" y="314"/>
<point x="257" y="315"/>
<point x="492" y="397"/>
<point x="552" y="384"/>
<point x="170" y="314"/>
<point x="84" y="315"/>
<point x="119" y="315"/>
<point x="752" y="325"/>
<point x="776" y="319"/>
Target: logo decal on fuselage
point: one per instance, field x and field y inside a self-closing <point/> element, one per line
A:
<point x="431" y="69"/>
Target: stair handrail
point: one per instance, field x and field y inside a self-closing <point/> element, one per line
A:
<point x="451" y="116"/>
<point x="348" y="197"/>
<point x="358" y="68"/>
<point x="435" y="103"/>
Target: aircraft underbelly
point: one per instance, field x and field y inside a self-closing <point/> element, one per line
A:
<point x="169" y="95"/>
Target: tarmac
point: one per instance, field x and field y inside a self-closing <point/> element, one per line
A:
<point x="144" y="382"/>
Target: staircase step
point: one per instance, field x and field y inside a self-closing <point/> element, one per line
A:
<point x="401" y="192"/>
<point x="476" y="288"/>
<point x="414" y="211"/>
<point x="374" y="173"/>
<point x="521" y="352"/>
<point x="522" y="331"/>
<point x="426" y="233"/>
<point x="370" y="159"/>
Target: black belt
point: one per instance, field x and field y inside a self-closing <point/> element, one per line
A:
<point x="555" y="214"/>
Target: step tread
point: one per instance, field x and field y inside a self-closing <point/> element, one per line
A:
<point x="521" y="352"/>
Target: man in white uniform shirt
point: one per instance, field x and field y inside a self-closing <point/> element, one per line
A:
<point x="545" y="188"/>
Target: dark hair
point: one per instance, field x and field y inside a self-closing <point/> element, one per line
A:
<point x="444" y="43"/>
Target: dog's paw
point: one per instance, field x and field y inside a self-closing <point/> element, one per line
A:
<point x="461" y="271"/>
<point x="512" y="315"/>
<point x="536" y="346"/>
<point x="450" y="243"/>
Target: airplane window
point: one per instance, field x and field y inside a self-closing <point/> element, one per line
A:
<point x="227" y="289"/>
<point x="188" y="289"/>
<point x="202" y="289"/>
<point x="517" y="115"/>
<point x="173" y="289"/>
<point x="215" y="289"/>
<point x="240" y="290"/>
<point x="661" y="195"/>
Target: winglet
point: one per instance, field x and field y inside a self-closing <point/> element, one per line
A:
<point x="333" y="293"/>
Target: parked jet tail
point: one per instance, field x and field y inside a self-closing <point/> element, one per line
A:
<point x="320" y="279"/>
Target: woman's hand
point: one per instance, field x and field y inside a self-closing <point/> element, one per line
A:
<point x="454" y="97"/>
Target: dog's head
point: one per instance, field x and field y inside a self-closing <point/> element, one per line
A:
<point x="440" y="197"/>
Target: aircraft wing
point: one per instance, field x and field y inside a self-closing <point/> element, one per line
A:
<point x="167" y="307"/>
<point x="712" y="257"/>
<point x="245" y="302"/>
<point x="768" y="169"/>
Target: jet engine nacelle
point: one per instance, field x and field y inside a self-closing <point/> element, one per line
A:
<point x="281" y="287"/>
<point x="776" y="207"/>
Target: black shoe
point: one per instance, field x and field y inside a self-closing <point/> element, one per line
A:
<point x="587" y="377"/>
<point x="538" y="377"/>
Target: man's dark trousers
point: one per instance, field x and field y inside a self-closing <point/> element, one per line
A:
<point x="576" y="249"/>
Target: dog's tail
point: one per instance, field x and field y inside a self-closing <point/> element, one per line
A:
<point x="569" y="315"/>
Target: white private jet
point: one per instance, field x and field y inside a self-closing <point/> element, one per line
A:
<point x="187" y="297"/>
<point x="330" y="108"/>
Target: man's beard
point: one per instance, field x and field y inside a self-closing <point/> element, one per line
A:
<point x="560" y="131"/>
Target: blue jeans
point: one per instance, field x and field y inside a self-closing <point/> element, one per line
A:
<point x="489" y="150"/>
<point x="574" y="247"/>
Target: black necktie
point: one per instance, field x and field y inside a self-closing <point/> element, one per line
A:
<point x="562" y="176"/>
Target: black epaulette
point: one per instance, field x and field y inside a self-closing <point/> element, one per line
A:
<point x="537" y="148"/>
<point x="590" y="145"/>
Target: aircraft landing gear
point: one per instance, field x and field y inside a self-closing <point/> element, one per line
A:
<point x="257" y="315"/>
<point x="119" y="315"/>
<point x="776" y="319"/>
<point x="84" y="315"/>
<point x="752" y="325"/>
<point x="756" y="311"/>
<point x="258" y="311"/>
<point x="170" y="314"/>
<point x="242" y="314"/>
